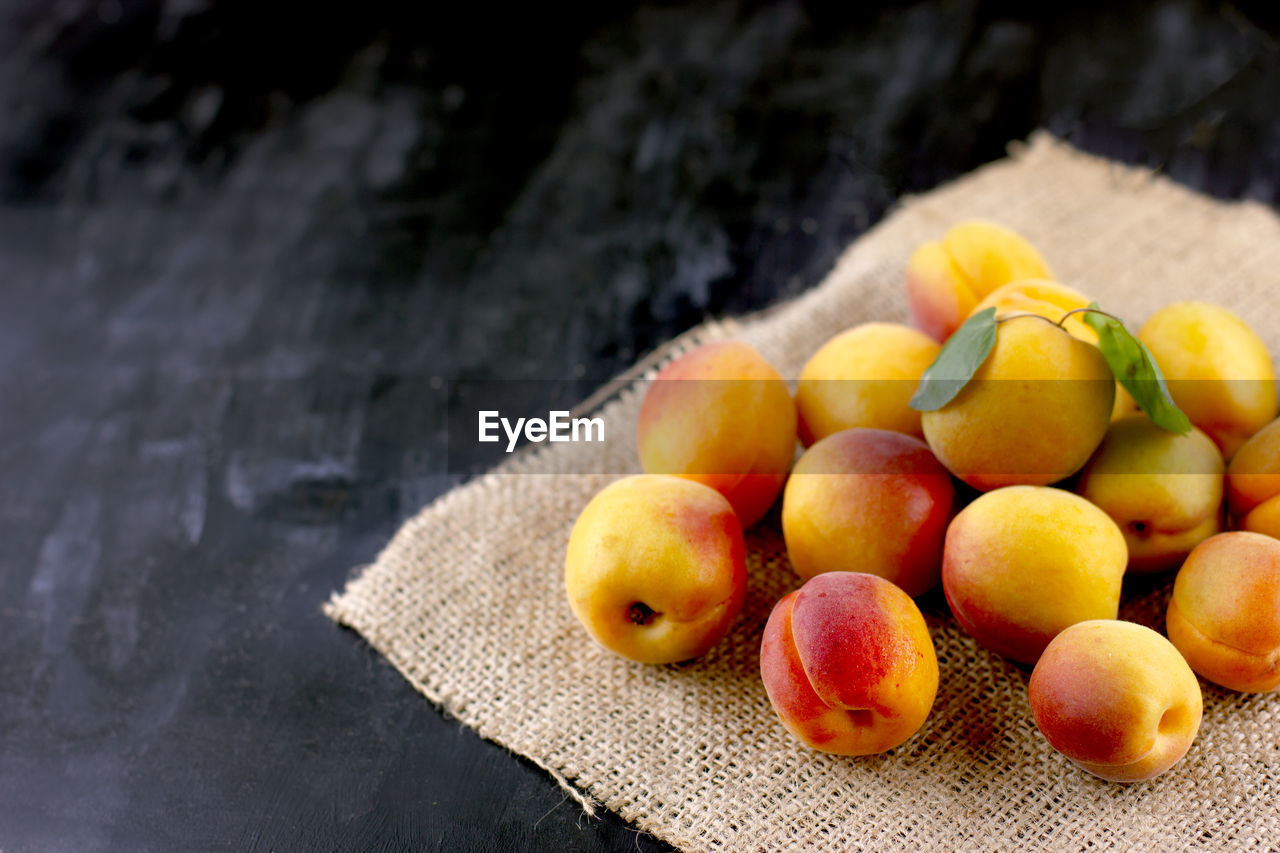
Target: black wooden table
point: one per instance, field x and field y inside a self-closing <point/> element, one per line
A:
<point x="246" y="254"/>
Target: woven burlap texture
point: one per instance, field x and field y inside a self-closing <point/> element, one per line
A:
<point x="467" y="600"/>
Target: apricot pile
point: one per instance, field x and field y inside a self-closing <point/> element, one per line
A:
<point x="1029" y="490"/>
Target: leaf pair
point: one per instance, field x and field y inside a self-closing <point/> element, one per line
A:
<point x="1129" y="359"/>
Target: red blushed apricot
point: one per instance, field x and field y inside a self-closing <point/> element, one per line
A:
<point x="938" y="292"/>
<point x="1225" y="612"/>
<point x="868" y="500"/>
<point x="848" y="664"/>
<point x="656" y="569"/>
<point x="1022" y="563"/>
<point x="1116" y="698"/>
<point x="947" y="279"/>
<point x="722" y="416"/>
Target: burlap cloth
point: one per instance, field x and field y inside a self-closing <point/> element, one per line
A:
<point x="468" y="598"/>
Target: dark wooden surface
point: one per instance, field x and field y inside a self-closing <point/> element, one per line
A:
<point x="247" y="250"/>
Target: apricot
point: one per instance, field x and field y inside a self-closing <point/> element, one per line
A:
<point x="1022" y="563"/>
<point x="1125" y="404"/>
<point x="1042" y="297"/>
<point x="1219" y="372"/>
<point x="947" y="278"/>
<point x="848" y="664"/>
<point x="722" y="416"/>
<point x="868" y="500"/>
<point x="1225" y="612"/>
<point x="1052" y="301"/>
<point x="1253" y="482"/>
<point x="1264" y="519"/>
<point x="1162" y="488"/>
<point x="863" y="378"/>
<point x="655" y="569"/>
<point x="1032" y="414"/>
<point x="1117" y="699"/>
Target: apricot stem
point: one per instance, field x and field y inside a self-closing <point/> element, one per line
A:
<point x="1064" y="317"/>
<point x="1061" y="319"/>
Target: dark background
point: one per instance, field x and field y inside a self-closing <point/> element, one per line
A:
<point x="248" y="250"/>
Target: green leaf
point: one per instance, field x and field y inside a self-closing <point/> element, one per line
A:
<point x="1132" y="364"/>
<point x="957" y="361"/>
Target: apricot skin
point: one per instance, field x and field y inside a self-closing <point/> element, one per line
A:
<point x="1225" y="612"/>
<point x="656" y="569"/>
<point x="863" y="377"/>
<point x="1055" y="302"/>
<point x="1163" y="489"/>
<point x="848" y="664"/>
<point x="947" y="278"/>
<point x="1219" y="372"/>
<point x="1117" y="699"/>
<point x="1032" y="414"/>
<point x="1264" y="518"/>
<point x="1253" y="482"/>
<point x="1020" y="564"/>
<point x="1042" y="297"/>
<point x="872" y="501"/>
<point x="722" y="416"/>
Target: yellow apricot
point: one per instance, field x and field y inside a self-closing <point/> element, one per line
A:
<point x="1219" y="371"/>
<point x="1032" y="414"/>
<point x="863" y="378"/>
<point x="1162" y="488"/>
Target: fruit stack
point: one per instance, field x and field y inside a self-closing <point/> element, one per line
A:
<point x="1021" y="447"/>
